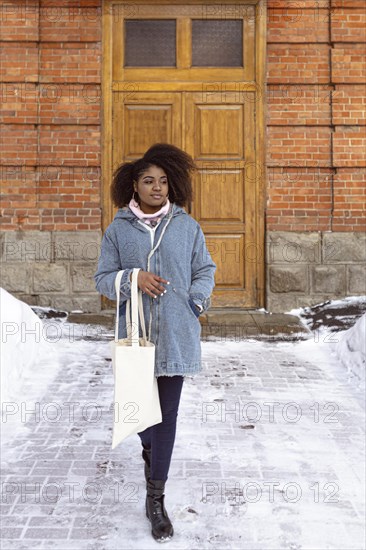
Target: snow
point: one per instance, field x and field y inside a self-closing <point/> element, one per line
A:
<point x="351" y="348"/>
<point x="212" y="458"/>
<point x="326" y="321"/>
<point x="31" y="347"/>
<point x="29" y="358"/>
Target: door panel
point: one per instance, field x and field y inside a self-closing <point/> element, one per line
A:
<point x="211" y="118"/>
<point x="141" y="119"/>
<point x="215" y="180"/>
<point x="226" y="252"/>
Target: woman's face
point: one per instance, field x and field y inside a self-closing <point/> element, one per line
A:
<point x="152" y="188"/>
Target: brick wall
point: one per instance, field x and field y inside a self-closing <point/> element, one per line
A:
<point x="50" y="123"/>
<point x="51" y="51"/>
<point x="316" y="115"/>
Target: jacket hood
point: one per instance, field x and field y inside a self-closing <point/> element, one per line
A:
<point x="126" y="213"/>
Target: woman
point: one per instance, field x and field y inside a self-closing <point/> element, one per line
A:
<point x="152" y="231"/>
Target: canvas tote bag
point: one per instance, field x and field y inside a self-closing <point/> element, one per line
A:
<point x="136" y="394"/>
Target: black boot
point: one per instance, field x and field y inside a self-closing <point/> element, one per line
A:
<point x="146" y="455"/>
<point x="162" y="529"/>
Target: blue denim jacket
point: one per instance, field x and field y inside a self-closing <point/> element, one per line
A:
<point x="183" y="259"/>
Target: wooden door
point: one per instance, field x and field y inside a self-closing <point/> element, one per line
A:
<point x="168" y="79"/>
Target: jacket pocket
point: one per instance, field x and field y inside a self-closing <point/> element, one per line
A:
<point x="185" y="298"/>
<point x="193" y="307"/>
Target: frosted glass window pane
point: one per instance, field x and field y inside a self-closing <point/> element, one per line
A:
<point x="150" y="43"/>
<point x="217" y="43"/>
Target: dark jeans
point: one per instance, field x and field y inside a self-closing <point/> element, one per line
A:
<point x="160" y="438"/>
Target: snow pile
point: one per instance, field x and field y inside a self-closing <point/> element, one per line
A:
<point x="340" y="326"/>
<point x="332" y="315"/>
<point x="351" y="348"/>
<point x="28" y="358"/>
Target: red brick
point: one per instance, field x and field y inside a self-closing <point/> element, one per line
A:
<point x="349" y="146"/>
<point x="348" y="25"/>
<point x="44" y="219"/>
<point x="297" y="25"/>
<point x="298" y="63"/>
<point x="349" y="63"/>
<point x="299" y="5"/>
<point x="70" y="62"/>
<point x="19" y="20"/>
<point x="350" y="199"/>
<point x="18" y="186"/>
<point x="54" y="5"/>
<point x="348" y="4"/>
<point x="80" y="184"/>
<point x="71" y="220"/>
<point x="299" y="146"/>
<point x="292" y="104"/>
<point x="19" y="61"/>
<point x="18" y="144"/>
<point x="69" y="144"/>
<point x="19" y="219"/>
<point x="70" y="103"/>
<point x="71" y="23"/>
<point x="349" y="104"/>
<point x="19" y="102"/>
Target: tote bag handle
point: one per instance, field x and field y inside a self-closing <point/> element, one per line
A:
<point x="136" y="307"/>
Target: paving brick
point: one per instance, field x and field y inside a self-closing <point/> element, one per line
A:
<point x="14" y="544"/>
<point x="13" y="521"/>
<point x="46" y="534"/>
<point x="44" y="521"/>
<point x="10" y="533"/>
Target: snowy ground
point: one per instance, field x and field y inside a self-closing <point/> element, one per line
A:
<point x="269" y="452"/>
<point x="341" y="326"/>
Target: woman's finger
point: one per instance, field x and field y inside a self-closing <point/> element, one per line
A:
<point x="159" y="289"/>
<point x="157" y="285"/>
<point x="161" y="280"/>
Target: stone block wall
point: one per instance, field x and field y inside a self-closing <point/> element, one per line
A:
<point x="52" y="268"/>
<point x="309" y="268"/>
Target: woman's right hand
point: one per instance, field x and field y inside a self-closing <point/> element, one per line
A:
<point x="149" y="283"/>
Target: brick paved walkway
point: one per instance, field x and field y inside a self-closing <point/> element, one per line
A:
<point x="269" y="454"/>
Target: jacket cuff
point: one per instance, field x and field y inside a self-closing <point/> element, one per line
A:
<point x="201" y="300"/>
<point x="198" y="304"/>
<point x="125" y="288"/>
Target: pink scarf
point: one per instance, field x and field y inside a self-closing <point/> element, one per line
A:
<point x="148" y="218"/>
